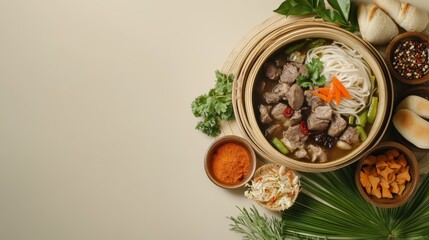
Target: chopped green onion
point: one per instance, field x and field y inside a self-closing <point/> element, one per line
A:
<point x="294" y="48"/>
<point x="372" y="112"/>
<point x="372" y="79"/>
<point x="280" y="146"/>
<point x="315" y="43"/>
<point x="351" y="120"/>
<point x="362" y="118"/>
<point x="362" y="133"/>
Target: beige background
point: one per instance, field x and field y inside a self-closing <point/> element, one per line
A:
<point x="97" y="137"/>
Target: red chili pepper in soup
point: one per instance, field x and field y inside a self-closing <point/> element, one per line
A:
<point x="288" y="112"/>
<point x="303" y="127"/>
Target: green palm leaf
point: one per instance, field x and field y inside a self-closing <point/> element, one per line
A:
<point x="330" y="207"/>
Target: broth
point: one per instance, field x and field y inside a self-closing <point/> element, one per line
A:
<point x="265" y="88"/>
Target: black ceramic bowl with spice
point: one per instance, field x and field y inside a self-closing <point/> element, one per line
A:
<point x="407" y="57"/>
<point x="230" y="162"/>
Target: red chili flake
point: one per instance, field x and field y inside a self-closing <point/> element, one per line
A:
<point x="288" y="112"/>
<point x="303" y="127"/>
<point x="273" y="200"/>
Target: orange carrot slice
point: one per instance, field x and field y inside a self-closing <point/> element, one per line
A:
<point x="324" y="90"/>
<point x="341" y="87"/>
<point x="331" y="93"/>
<point x="319" y="95"/>
<point x="337" y="94"/>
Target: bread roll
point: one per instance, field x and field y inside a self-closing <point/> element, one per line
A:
<point x="412" y="127"/>
<point x="417" y="104"/>
<point x="405" y="15"/>
<point x="375" y="25"/>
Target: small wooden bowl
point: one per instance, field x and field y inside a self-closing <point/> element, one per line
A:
<point x="390" y="54"/>
<point x="211" y="151"/>
<point x="410" y="187"/>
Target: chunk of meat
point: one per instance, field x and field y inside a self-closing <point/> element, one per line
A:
<point x="281" y="90"/>
<point x="272" y="71"/>
<point x="291" y="71"/>
<point x="273" y="130"/>
<point x="320" y="118"/>
<point x="313" y="101"/>
<point x="295" y="97"/>
<point x="337" y="126"/>
<point x="317" y="153"/>
<point x="265" y="113"/>
<point x="350" y="136"/>
<point x="277" y="111"/>
<point x="293" y="138"/>
<point x="301" y="153"/>
<point x="296" y="118"/>
<point x="271" y="97"/>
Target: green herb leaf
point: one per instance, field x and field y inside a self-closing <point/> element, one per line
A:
<point x="321" y="81"/>
<point x="319" y="4"/>
<point x="343" y="12"/>
<point x="286" y="7"/>
<point x="353" y="15"/>
<point x="257" y="227"/>
<point x="214" y="106"/>
<point x="314" y="77"/>
<point x="300" y="10"/>
<point x="342" y="6"/>
<point x="209" y="125"/>
<point x="304" y="81"/>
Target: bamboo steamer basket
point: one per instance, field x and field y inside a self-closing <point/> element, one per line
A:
<point x="265" y="43"/>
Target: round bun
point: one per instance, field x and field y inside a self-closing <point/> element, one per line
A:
<point x="417" y="104"/>
<point x="409" y="17"/>
<point x="375" y="25"/>
<point x="412" y="19"/>
<point x="412" y="127"/>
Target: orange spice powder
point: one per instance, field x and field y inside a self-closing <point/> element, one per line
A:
<point x="231" y="163"/>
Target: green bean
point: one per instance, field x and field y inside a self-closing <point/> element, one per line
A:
<point x="372" y="79"/>
<point x="351" y="120"/>
<point x="280" y="146"/>
<point x="362" y="119"/>
<point x="362" y="133"/>
<point x="294" y="48"/>
<point x="315" y="43"/>
<point x="372" y="112"/>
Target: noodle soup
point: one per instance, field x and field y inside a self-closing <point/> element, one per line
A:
<point x="315" y="100"/>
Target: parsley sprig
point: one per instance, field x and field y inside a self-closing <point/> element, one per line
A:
<point x="214" y="106"/>
<point x="314" y="77"/>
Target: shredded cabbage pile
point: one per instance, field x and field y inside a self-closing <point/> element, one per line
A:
<point x="276" y="190"/>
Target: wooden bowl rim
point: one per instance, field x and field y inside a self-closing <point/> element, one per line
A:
<point x="411" y="186"/>
<point x="219" y="142"/>
<point x="395" y="41"/>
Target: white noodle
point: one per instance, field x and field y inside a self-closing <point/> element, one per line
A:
<point x="351" y="70"/>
